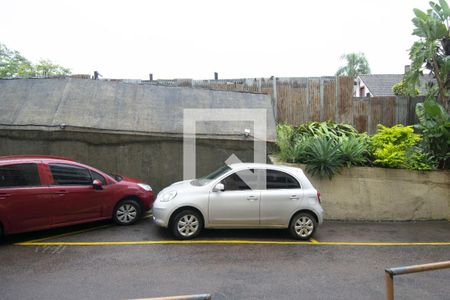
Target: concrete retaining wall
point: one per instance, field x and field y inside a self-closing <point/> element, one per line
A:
<point x="375" y="194"/>
<point x="156" y="160"/>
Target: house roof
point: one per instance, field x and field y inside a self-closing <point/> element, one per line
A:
<point x="381" y="84"/>
<point x="127" y="107"/>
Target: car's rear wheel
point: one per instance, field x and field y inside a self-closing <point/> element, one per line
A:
<point x="127" y="212"/>
<point x="303" y="226"/>
<point x="187" y="224"/>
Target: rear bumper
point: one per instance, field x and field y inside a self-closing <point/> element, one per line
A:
<point x="320" y="212"/>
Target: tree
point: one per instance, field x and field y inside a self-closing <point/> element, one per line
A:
<point x="431" y="52"/>
<point x="46" y="68"/>
<point x="357" y="64"/>
<point x="13" y="64"/>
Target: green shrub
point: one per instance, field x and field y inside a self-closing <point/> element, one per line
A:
<point x="285" y="142"/>
<point x="324" y="158"/>
<point x="390" y="145"/>
<point x="420" y="160"/>
<point x="402" y="89"/>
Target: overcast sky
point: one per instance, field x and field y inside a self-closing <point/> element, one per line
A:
<point x="194" y="39"/>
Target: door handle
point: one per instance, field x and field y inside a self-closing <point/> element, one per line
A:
<point x="294" y="197"/>
<point x="4" y="195"/>
<point x="252" y="198"/>
<point x="61" y="192"/>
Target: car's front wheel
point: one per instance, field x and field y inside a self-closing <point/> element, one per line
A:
<point x="187" y="224"/>
<point x="127" y="212"/>
<point x="302" y="226"/>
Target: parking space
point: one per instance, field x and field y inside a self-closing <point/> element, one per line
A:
<point x="103" y="261"/>
<point x="330" y="233"/>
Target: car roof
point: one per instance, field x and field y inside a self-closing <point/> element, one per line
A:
<point x="237" y="166"/>
<point x="21" y="158"/>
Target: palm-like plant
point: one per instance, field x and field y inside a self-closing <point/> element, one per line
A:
<point x="324" y="158"/>
<point x="354" y="150"/>
<point x="357" y="64"/>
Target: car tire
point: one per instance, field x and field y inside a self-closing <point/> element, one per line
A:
<point x="303" y="225"/>
<point x="187" y="224"/>
<point x="127" y="212"/>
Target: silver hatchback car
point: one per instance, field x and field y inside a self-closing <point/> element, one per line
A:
<point x="241" y="195"/>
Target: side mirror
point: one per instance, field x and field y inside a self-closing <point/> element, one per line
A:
<point x="219" y="187"/>
<point x="97" y="184"/>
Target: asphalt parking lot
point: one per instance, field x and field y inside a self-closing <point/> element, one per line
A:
<point x="345" y="260"/>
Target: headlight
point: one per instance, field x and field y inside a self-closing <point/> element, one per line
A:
<point x="168" y="196"/>
<point x="145" y="186"/>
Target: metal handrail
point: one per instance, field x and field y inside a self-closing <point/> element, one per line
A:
<point x="391" y="272"/>
<point x="185" y="297"/>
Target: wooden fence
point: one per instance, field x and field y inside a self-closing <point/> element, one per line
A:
<point x="300" y="99"/>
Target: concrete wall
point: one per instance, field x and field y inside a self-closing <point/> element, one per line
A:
<point x="111" y="105"/>
<point x="375" y="194"/>
<point x="156" y="160"/>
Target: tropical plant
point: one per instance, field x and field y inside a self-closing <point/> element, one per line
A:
<point x="301" y="148"/>
<point x="434" y="124"/>
<point x="355" y="150"/>
<point x="356" y="64"/>
<point x="327" y="129"/>
<point x="391" y="144"/>
<point x="324" y="158"/>
<point x="432" y="51"/>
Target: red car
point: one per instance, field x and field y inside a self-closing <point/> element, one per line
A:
<point x="38" y="192"/>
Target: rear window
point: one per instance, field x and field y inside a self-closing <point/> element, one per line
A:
<point x="280" y="180"/>
<point x="19" y="175"/>
<point x="70" y="175"/>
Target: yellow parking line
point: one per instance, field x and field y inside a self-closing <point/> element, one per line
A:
<point x="313" y="242"/>
<point x="68" y="234"/>
<point x="148" y="216"/>
<point x="159" y="243"/>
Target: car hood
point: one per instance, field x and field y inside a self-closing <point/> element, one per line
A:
<point x="181" y="186"/>
<point x="129" y="179"/>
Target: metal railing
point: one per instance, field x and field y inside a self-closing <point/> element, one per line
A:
<point x="185" y="297"/>
<point x="391" y="272"/>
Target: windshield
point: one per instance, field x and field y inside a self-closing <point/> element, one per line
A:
<point x="216" y="174"/>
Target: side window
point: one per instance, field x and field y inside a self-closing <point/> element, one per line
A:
<point x="70" y="175"/>
<point x="238" y="181"/>
<point x="280" y="180"/>
<point x="19" y="175"/>
<point x="96" y="175"/>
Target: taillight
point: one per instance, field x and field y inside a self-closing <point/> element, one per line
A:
<point x="318" y="196"/>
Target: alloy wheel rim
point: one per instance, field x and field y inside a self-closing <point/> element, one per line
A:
<point x="126" y="213"/>
<point x="188" y="225"/>
<point x="304" y="227"/>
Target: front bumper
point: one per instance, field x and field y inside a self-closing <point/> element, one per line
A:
<point x="161" y="216"/>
